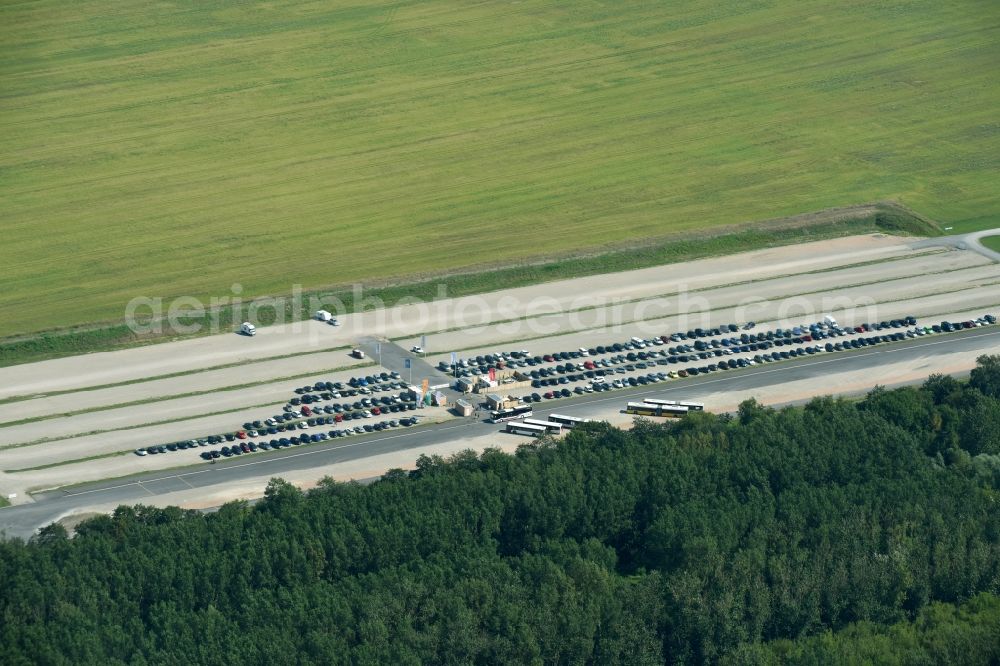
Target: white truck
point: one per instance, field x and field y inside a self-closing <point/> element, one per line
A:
<point x="323" y="315"/>
<point x="248" y="329"/>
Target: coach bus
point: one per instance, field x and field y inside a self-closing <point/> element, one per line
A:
<point x="521" y="428"/>
<point x="692" y="406"/>
<point x="550" y="426"/>
<point x="567" y="421"/>
<point x="502" y="415"/>
<point x="647" y="409"/>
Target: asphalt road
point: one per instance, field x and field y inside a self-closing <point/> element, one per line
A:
<point x="392" y="357"/>
<point x="23" y="520"/>
<point x="971" y="242"/>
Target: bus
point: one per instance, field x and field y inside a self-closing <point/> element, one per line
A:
<point x="567" y="421"/>
<point x="692" y="406"/>
<point x="550" y="426"/>
<point x="647" y="409"/>
<point x="519" y="412"/>
<point x="520" y="428"/>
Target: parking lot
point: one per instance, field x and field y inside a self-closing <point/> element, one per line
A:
<point x="640" y="362"/>
<point x="94" y="432"/>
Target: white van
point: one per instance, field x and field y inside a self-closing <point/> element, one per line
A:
<point x="829" y="320"/>
<point x="248" y="329"/>
<point x="323" y="315"/>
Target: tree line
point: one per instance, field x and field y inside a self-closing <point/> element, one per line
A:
<point x="762" y="536"/>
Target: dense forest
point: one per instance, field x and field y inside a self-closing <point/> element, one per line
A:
<point x="851" y="531"/>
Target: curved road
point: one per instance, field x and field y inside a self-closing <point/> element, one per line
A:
<point x="964" y="242"/>
<point x="23" y="520"/>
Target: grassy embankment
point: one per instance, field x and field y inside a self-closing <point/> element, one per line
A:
<point x="881" y="218"/>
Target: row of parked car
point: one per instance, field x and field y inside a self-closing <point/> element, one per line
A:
<point x="697" y="340"/>
<point x="600" y="372"/>
<point x="242" y="448"/>
<point x="355" y="386"/>
<point x="298" y="415"/>
<point x="700" y="350"/>
<point x="480" y="365"/>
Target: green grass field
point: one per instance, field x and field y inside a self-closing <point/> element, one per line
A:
<point x="992" y="242"/>
<point x="167" y="149"/>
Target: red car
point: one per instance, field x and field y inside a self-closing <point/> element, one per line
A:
<point x="306" y="411"/>
<point x="376" y="411"/>
<point x="241" y="434"/>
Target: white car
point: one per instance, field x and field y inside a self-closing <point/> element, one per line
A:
<point x="417" y="349"/>
<point x="333" y="322"/>
<point x="140" y="452"/>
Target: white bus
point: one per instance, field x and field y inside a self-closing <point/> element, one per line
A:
<point x="692" y="406"/>
<point x="519" y="428"/>
<point x="550" y="426"/>
<point x="648" y="409"/>
<point x="567" y="421"/>
<point x="519" y="412"/>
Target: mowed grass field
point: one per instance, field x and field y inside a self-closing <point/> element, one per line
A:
<point x="176" y="148"/>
